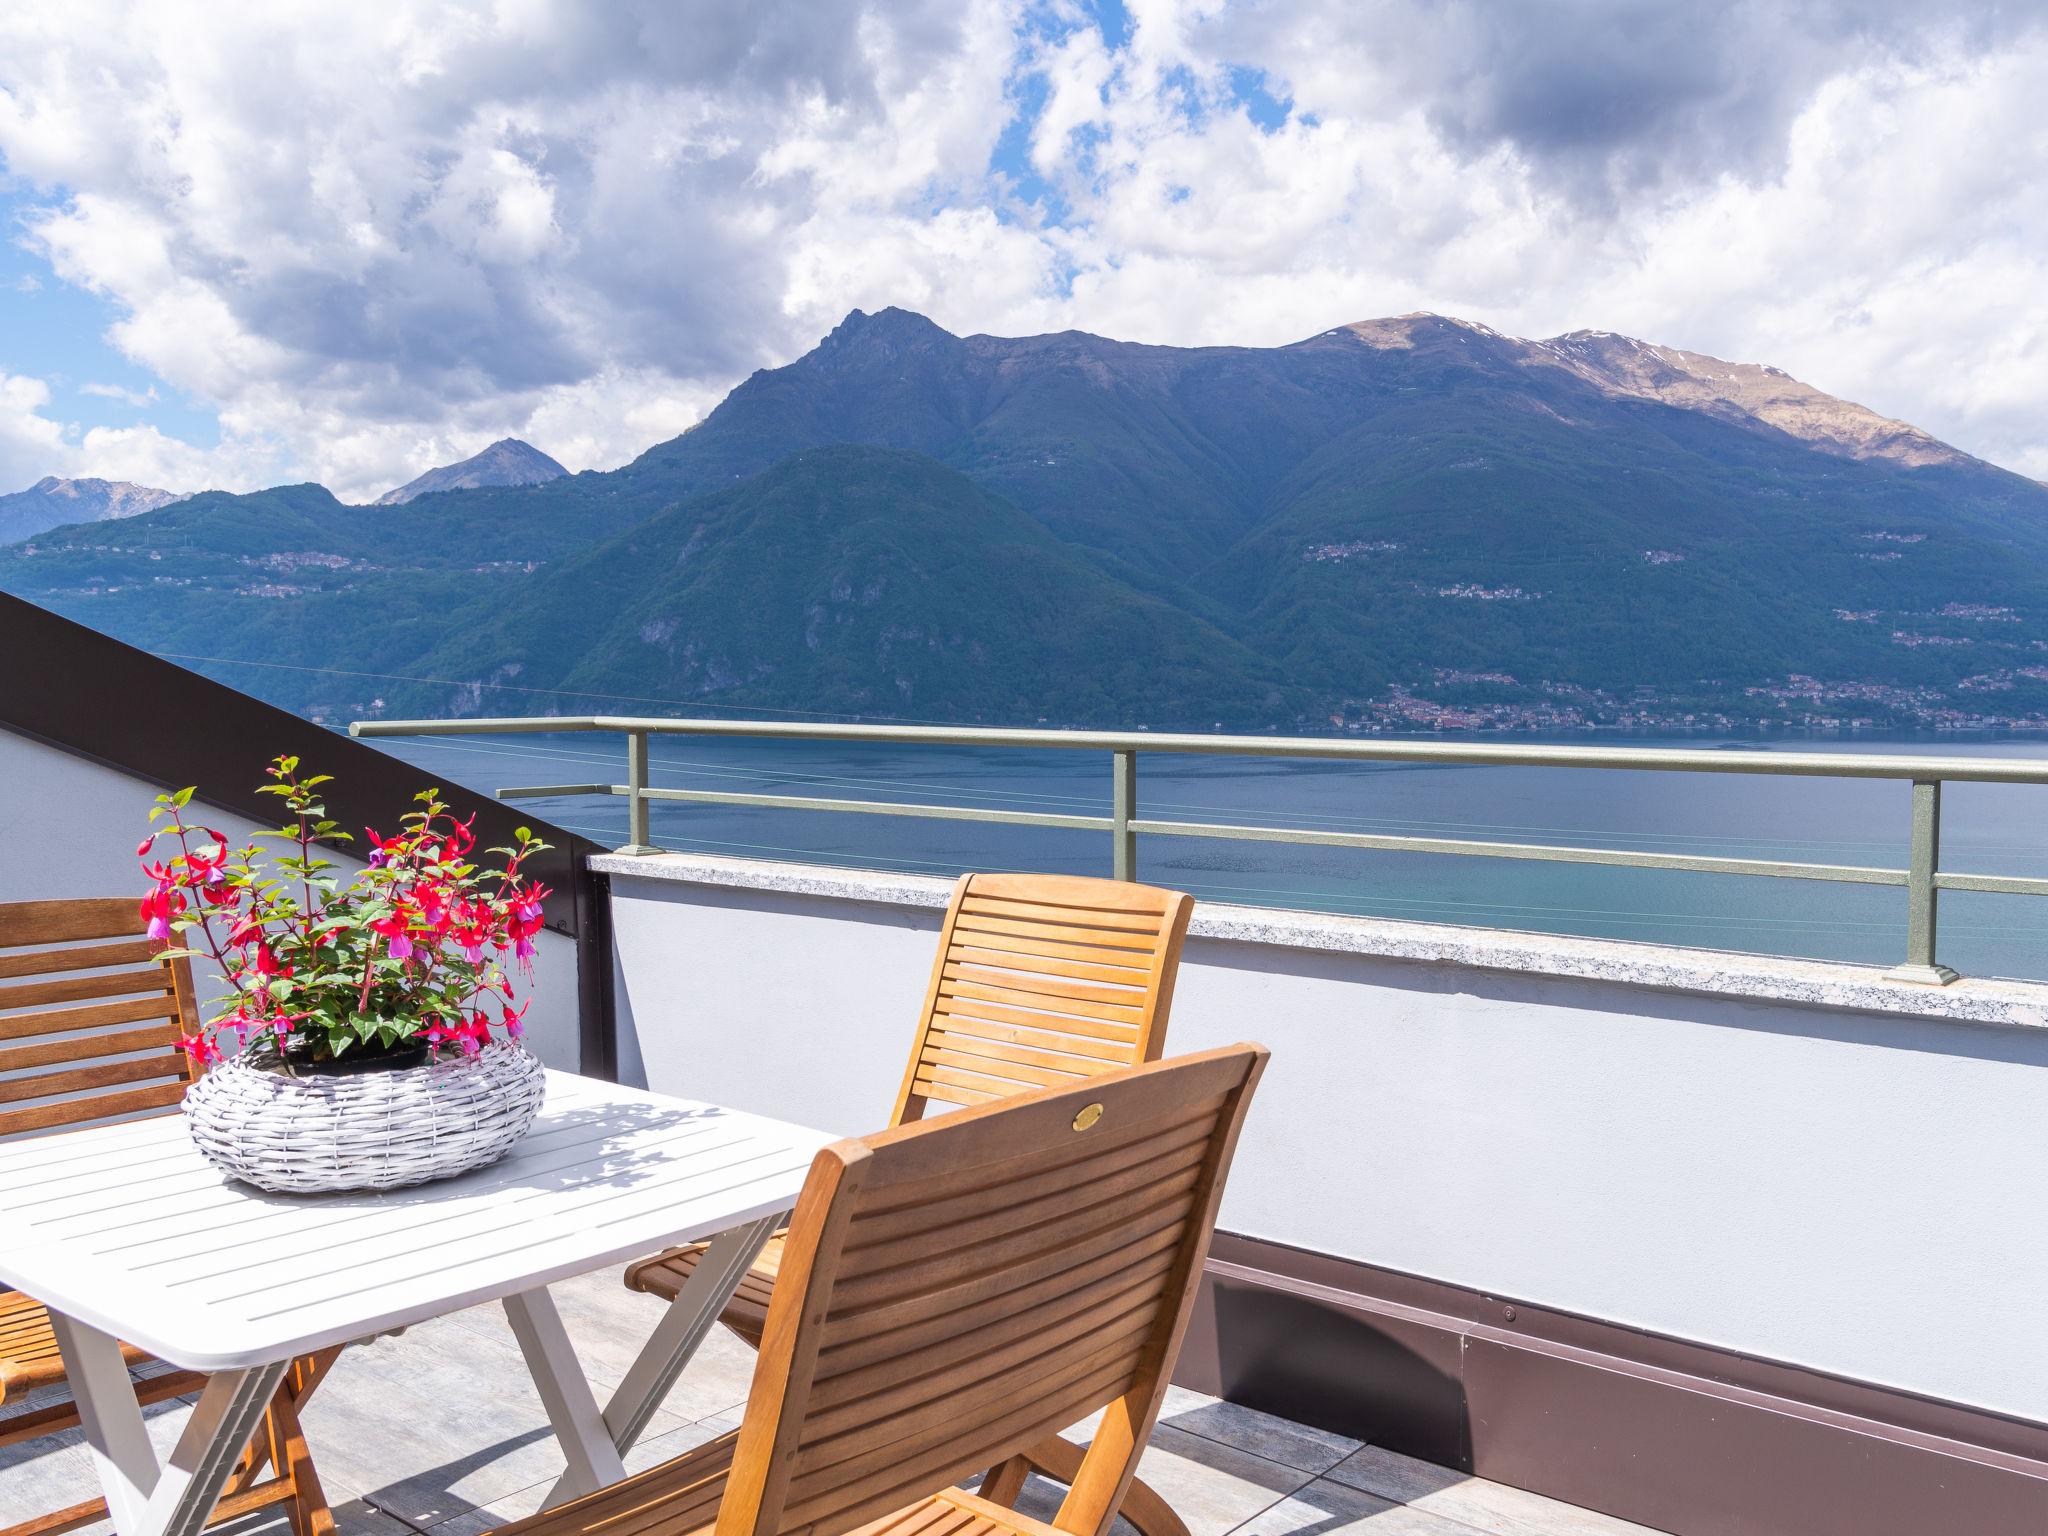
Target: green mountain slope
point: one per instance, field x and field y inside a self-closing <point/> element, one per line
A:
<point x="1640" y="547"/>
<point x="876" y="578"/>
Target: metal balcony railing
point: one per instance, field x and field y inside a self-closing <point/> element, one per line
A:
<point x="1923" y="877"/>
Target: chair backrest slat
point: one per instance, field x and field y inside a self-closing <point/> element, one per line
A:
<point x="954" y="1292"/>
<point x="1042" y="980"/>
<point x="88" y="1025"/>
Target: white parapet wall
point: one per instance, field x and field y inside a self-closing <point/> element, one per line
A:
<point x="1800" y="1161"/>
<point x="68" y="828"/>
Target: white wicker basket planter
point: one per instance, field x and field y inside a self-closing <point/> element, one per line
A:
<point x="375" y="1130"/>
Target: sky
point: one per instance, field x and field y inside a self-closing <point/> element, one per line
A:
<point x="243" y="244"/>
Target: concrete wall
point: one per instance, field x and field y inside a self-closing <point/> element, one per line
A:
<point x="68" y="827"/>
<point x="1798" y="1161"/>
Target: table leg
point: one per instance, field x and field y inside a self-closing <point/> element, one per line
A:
<point x="227" y="1414"/>
<point x="111" y="1418"/>
<point x="565" y="1393"/>
<point x="668" y="1349"/>
<point x="683" y="1327"/>
<point x="143" y="1498"/>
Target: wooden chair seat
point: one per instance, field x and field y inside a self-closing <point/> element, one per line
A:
<point x="681" y="1498"/>
<point x="674" y="1498"/>
<point x="28" y="1349"/>
<point x="746" y="1314"/>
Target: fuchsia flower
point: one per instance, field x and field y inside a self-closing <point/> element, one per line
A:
<point x="471" y="936"/>
<point x="432" y="902"/>
<point x="525" y="921"/>
<point x="471" y="1034"/>
<point x="205" y="868"/>
<point x="162" y="904"/>
<point x="396" y="930"/>
<point x="199" y="1048"/>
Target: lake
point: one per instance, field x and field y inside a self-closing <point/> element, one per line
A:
<point x="1986" y="829"/>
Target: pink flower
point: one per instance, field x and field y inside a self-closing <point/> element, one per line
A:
<point x="158" y="908"/>
<point x="209" y="868"/>
<point x="199" y="1048"/>
<point x="514" y="1019"/>
<point x="397" y="932"/>
<point x="432" y="901"/>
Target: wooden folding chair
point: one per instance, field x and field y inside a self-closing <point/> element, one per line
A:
<point x="951" y="1294"/>
<point x="111" y="1057"/>
<point x="1039" y="980"/>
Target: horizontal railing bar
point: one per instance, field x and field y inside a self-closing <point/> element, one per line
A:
<point x="1853" y="874"/>
<point x="1985" y="770"/>
<point x="505" y="725"/>
<point x="879" y="808"/>
<point x="2004" y="885"/>
<point x="535" y="791"/>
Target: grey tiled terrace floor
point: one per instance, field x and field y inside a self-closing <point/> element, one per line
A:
<point x="440" y="1431"/>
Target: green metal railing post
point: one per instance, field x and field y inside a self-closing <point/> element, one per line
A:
<point x="1123" y="848"/>
<point x="1923" y="863"/>
<point x="637" y="837"/>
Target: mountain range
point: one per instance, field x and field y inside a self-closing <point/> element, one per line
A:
<point x="52" y="503"/>
<point x="1399" y="522"/>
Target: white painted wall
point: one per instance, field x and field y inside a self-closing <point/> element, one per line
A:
<point x="68" y="828"/>
<point x="1854" y="1192"/>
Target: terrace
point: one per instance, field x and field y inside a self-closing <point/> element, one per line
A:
<point x="1528" y="1233"/>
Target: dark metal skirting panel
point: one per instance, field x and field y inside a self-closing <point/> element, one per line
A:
<point x="1677" y="1436"/>
<point x="100" y="699"/>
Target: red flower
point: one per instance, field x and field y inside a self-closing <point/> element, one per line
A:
<point x="209" y="868"/>
<point x="396" y="929"/>
<point x="199" y="1048"/>
<point x="159" y="907"/>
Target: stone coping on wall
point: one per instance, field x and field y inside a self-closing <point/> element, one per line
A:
<point x="1717" y="973"/>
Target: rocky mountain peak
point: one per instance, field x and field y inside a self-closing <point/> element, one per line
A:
<point x="508" y="461"/>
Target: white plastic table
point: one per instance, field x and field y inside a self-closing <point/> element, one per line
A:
<point x="125" y="1232"/>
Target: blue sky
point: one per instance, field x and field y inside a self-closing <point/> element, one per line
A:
<point x="318" y="242"/>
<point x="56" y="331"/>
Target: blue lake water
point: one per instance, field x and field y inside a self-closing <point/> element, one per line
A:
<point x="1986" y="829"/>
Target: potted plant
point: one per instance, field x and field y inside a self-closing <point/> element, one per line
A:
<point x="369" y="1036"/>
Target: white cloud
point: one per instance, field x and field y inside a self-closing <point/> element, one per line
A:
<point x="374" y="240"/>
<point x="142" y="399"/>
<point x="34" y="444"/>
<point x="30" y="442"/>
